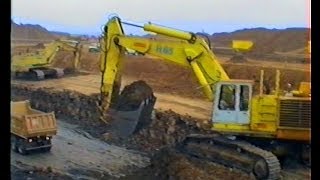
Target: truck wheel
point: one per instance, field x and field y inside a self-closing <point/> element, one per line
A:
<point x="14" y="144"/>
<point x="21" y="148"/>
<point x="306" y="155"/>
<point x="47" y="149"/>
<point x="14" y="147"/>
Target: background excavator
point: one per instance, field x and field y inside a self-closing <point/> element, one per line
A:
<point x="38" y="65"/>
<point x="252" y="131"/>
<point x="240" y="48"/>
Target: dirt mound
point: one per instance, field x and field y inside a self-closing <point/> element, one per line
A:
<point x="75" y="107"/>
<point x="39" y="46"/>
<point x="170" y="78"/>
<point x="238" y="59"/>
<point x="20" y="50"/>
<point x="89" y="61"/>
<point x="64" y="59"/>
<point x="163" y="76"/>
<point x="242" y="71"/>
<point x="78" y="108"/>
<point x="166" y="129"/>
<point x="169" y="164"/>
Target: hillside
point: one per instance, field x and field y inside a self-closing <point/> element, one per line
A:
<point x="269" y="44"/>
<point x="266" y="40"/>
<point x="33" y="32"/>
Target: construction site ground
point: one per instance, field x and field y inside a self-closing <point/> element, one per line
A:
<point x="83" y="149"/>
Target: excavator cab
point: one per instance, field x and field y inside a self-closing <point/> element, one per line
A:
<point x="231" y="105"/>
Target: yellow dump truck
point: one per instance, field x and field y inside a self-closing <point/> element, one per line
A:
<point x="31" y="129"/>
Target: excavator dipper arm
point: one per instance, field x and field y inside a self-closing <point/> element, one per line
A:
<point x="131" y="109"/>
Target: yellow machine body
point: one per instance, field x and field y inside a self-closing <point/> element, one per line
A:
<point x="271" y="116"/>
<point x="241" y="45"/>
<point x="43" y="58"/>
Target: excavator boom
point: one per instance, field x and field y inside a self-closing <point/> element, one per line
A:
<point x="186" y="49"/>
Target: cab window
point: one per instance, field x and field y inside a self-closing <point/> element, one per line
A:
<point x="244" y="98"/>
<point x="227" y="97"/>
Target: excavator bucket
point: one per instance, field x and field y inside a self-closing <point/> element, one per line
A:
<point x="132" y="110"/>
<point x="126" y="123"/>
<point x="242" y="46"/>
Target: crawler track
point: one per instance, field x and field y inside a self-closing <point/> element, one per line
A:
<point x="235" y="154"/>
<point x="40" y="74"/>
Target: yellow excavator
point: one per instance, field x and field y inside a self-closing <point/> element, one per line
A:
<point x="251" y="130"/>
<point x="38" y="65"/>
<point x="240" y="47"/>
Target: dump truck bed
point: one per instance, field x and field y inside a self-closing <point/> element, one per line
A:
<point x="27" y="122"/>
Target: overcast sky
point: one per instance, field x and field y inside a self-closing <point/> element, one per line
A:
<point x="88" y="16"/>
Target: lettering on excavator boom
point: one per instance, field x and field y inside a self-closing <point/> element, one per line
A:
<point x="164" y="50"/>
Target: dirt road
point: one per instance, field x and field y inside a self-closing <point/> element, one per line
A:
<point x="76" y="153"/>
